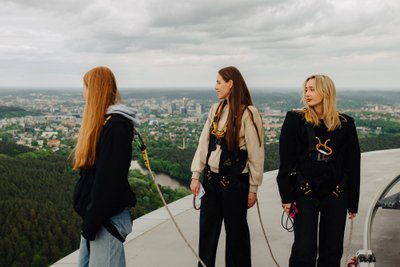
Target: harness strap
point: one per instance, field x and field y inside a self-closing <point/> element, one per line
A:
<point x="218" y="137"/>
<point x="313" y="149"/>
<point x="106" y="120"/>
<point x="311" y="138"/>
<point x="113" y="231"/>
<point x="217" y="116"/>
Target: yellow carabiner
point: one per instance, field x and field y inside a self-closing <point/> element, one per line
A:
<point x="319" y="143"/>
<point x="327" y="150"/>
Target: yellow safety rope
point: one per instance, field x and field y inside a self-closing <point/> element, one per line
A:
<point x="145" y="156"/>
<point x="143" y="149"/>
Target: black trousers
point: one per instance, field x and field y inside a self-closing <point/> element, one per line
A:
<point x="227" y="204"/>
<point x="332" y="212"/>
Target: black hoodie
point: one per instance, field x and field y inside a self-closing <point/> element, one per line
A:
<point x="103" y="190"/>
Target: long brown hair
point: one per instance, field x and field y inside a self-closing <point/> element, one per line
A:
<point x="239" y="98"/>
<point x="326" y="88"/>
<point x="102" y="91"/>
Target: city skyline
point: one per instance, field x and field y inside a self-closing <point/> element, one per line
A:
<point x="158" y="44"/>
<point x="40" y="120"/>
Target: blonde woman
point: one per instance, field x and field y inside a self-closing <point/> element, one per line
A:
<point x="319" y="174"/>
<point x="231" y="154"/>
<point x="102" y="156"/>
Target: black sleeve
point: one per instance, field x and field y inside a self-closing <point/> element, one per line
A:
<point x="287" y="156"/>
<point x="113" y="157"/>
<point x="352" y="165"/>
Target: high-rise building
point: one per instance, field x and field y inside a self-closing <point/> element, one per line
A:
<point x="172" y="108"/>
<point x="185" y="102"/>
<point x="183" y="110"/>
<point x="199" y="109"/>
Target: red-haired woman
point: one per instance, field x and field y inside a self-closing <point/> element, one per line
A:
<point x="102" y="157"/>
<point x="231" y="154"/>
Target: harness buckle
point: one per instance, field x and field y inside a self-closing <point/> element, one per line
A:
<point x="338" y="190"/>
<point x="208" y="175"/>
<point x="305" y="188"/>
<point x="224" y="182"/>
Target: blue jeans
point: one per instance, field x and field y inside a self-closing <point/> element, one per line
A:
<point x="106" y="250"/>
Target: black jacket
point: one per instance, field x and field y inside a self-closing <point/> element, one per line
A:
<point x="103" y="190"/>
<point x="294" y="145"/>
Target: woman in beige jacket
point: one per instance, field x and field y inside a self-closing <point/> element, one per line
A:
<point x="231" y="154"/>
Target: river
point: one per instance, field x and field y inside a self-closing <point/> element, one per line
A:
<point x="161" y="178"/>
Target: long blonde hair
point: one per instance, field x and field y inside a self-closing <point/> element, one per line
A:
<point x="102" y="91"/>
<point x="326" y="88"/>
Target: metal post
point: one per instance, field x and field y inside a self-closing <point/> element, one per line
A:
<point x="372" y="211"/>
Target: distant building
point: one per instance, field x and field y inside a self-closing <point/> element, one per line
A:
<point x="21" y="142"/>
<point x="185" y="102"/>
<point x="172" y="108"/>
<point x="362" y="129"/>
<point x="172" y="137"/>
<point x="153" y="122"/>
<point x="48" y="134"/>
<point x="57" y="118"/>
<point x="53" y="143"/>
<point x="199" y="109"/>
<point x="183" y="110"/>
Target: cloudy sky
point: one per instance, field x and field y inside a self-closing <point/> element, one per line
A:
<point x="52" y="43"/>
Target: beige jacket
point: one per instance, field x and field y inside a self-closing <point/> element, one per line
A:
<point x="247" y="140"/>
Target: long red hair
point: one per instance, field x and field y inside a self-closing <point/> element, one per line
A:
<point x="101" y="92"/>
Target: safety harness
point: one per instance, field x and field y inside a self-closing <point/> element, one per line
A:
<point x="320" y="151"/>
<point x="143" y="149"/>
<point x="231" y="163"/>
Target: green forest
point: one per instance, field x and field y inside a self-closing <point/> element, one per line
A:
<point x="38" y="224"/>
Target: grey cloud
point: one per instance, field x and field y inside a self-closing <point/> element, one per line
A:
<point x="183" y="13"/>
<point x="63" y="7"/>
<point x="171" y="25"/>
<point x="155" y="33"/>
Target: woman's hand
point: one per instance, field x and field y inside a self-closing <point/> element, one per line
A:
<point x="286" y="207"/>
<point x="251" y="199"/>
<point x="352" y="215"/>
<point x="195" y="186"/>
